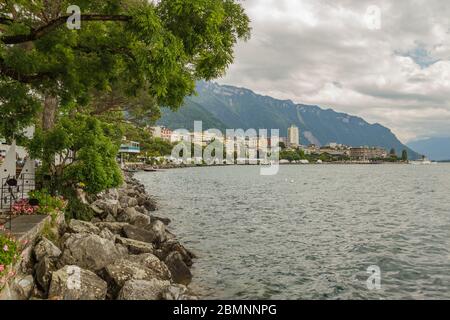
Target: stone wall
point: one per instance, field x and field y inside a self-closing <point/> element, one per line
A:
<point x="124" y="253"/>
<point x="27" y="231"/>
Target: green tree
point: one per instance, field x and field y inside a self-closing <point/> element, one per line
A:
<point x="325" y="157"/>
<point x="129" y="56"/>
<point x="301" y="154"/>
<point x="85" y="151"/>
<point x="159" y="148"/>
<point x="393" y="155"/>
<point x="161" y="47"/>
<point x="393" y="152"/>
<point x="289" y="155"/>
<point x="404" y="155"/>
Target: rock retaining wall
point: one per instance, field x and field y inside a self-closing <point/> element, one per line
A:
<point x="124" y="253"/>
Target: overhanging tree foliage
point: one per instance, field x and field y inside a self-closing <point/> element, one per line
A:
<point x="162" y="47"/>
<point x="133" y="55"/>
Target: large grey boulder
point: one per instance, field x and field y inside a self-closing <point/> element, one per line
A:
<point x="110" y="218"/>
<point x="143" y="290"/>
<point x="107" y="234"/>
<point x="179" y="270"/>
<point x="150" y="205"/>
<point x="123" y="270"/>
<point x="142" y="199"/>
<point x="141" y="209"/>
<point x="177" y="292"/>
<point x="74" y="283"/>
<point x="152" y="262"/>
<point x="45" y="248"/>
<point x="96" y="220"/>
<point x="139" y="234"/>
<point x="22" y="287"/>
<point x="89" y="251"/>
<point x="132" y="192"/>
<point x="164" y="249"/>
<point x="78" y="226"/>
<point x="108" y="206"/>
<point x="125" y="215"/>
<point x="98" y="213"/>
<point x="134" y="246"/>
<point x="134" y="217"/>
<point x="132" y="202"/>
<point x="46" y="254"/>
<point x="123" y="201"/>
<point x="114" y="227"/>
<point x="166" y="221"/>
<point x="43" y="271"/>
<point x="159" y="230"/>
<point x="112" y="194"/>
<point x="140" y="220"/>
<point x="122" y="192"/>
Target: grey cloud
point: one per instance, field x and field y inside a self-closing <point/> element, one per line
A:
<point x="322" y="52"/>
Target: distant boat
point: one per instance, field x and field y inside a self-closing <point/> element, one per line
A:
<point x="423" y="161"/>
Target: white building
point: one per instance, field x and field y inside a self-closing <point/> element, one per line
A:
<point x="21" y="152"/>
<point x="293" y="137"/>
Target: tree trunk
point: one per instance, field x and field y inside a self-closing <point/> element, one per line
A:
<point x="49" y="112"/>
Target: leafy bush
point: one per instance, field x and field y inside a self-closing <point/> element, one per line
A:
<point x="48" y="205"/>
<point x="88" y="149"/>
<point x="9" y="252"/>
<point x="76" y="209"/>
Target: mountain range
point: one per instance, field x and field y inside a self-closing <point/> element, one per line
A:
<point x="223" y="106"/>
<point x="437" y="149"/>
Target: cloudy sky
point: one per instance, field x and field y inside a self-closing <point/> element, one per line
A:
<point x="385" y="60"/>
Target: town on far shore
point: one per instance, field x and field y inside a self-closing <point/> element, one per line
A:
<point x="291" y="151"/>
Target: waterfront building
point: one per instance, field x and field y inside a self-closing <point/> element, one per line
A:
<point x="129" y="147"/>
<point x="293" y="137"/>
<point x="334" y="152"/>
<point x="311" y="149"/>
<point x="162" y="133"/>
<point x="335" y="149"/>
<point x="177" y="136"/>
<point x="367" y="153"/>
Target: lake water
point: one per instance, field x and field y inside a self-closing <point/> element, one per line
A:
<point x="311" y="232"/>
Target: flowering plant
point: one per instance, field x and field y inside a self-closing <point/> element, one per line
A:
<point x="47" y="203"/>
<point x="9" y="252"/>
<point x="23" y="207"/>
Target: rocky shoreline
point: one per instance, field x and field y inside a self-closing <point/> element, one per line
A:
<point x="124" y="253"/>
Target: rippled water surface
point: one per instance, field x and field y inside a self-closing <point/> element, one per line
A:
<point x="311" y="232"/>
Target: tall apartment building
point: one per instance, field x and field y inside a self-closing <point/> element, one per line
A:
<point x="293" y="137"/>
